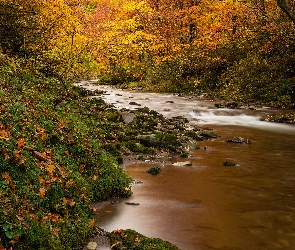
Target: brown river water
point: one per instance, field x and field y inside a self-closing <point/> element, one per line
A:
<point x="209" y="206"/>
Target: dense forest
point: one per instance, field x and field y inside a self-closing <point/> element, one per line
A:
<point x="59" y="151"/>
<point x="238" y="49"/>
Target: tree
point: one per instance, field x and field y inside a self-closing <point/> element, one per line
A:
<point x="288" y="8"/>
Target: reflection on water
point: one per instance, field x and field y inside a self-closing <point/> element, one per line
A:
<point x="209" y="206"/>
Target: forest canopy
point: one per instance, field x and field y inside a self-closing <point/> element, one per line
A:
<point x="240" y="49"/>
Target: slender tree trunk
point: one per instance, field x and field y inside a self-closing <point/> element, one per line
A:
<point x="287" y="8"/>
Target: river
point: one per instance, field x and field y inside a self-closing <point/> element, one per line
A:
<point x="209" y="206"/>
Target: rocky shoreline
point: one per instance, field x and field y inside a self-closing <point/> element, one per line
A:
<point x="148" y="136"/>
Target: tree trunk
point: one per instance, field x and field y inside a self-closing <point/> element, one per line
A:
<point x="287" y="8"/>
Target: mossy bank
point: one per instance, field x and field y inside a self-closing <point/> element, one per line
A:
<point x="60" y="151"/>
<point x="52" y="162"/>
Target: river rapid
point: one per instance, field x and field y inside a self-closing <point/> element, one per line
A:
<point x="209" y="206"/>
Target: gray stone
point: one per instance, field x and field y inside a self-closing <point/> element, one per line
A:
<point x="128" y="117"/>
<point x="91" y="245"/>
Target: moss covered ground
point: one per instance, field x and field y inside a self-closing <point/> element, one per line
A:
<point x="60" y="151"/>
<point x="52" y="162"/>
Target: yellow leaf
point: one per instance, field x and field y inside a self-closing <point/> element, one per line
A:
<point x="50" y="168"/>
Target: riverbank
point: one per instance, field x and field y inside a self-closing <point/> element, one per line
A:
<point x="60" y="152"/>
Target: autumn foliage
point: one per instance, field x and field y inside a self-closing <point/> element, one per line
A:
<point x="163" y="45"/>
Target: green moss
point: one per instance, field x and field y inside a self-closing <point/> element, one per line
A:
<point x="154" y="170"/>
<point x="132" y="240"/>
<point x="229" y="163"/>
<point x="53" y="161"/>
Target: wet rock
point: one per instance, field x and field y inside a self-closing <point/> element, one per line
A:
<point x="145" y="110"/>
<point x="132" y="203"/>
<point x="182" y="163"/>
<point x="134" y="103"/>
<point x="219" y="105"/>
<point x="168" y="141"/>
<point x="208" y="134"/>
<point x="232" y="105"/>
<point x="239" y="140"/>
<point x="194" y="135"/>
<point x="228" y="164"/>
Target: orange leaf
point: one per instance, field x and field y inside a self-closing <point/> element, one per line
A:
<point x="82" y="169"/>
<point x="66" y="153"/>
<point x="21" y="142"/>
<point x="42" y="192"/>
<point x="91" y="223"/>
<point x="53" y="217"/>
<point x="83" y="196"/>
<point x="71" y="202"/>
<point x="5" y="155"/>
<point x="6" y="177"/>
<point x="118" y="231"/>
<point x="69" y="183"/>
<point x="21" y="161"/>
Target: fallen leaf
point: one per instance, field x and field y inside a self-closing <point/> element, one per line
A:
<point x="66" y="153"/>
<point x="26" y="224"/>
<point x="65" y="200"/>
<point x="21" y="161"/>
<point x="81" y="169"/>
<point x="21" y="142"/>
<point x="54" y="217"/>
<point x="19" y="218"/>
<point x="40" y="156"/>
<point x="91" y="223"/>
<point x="69" y="183"/>
<point x="50" y="168"/>
<point x="42" y="192"/>
<point x="118" y="231"/>
<point x="115" y="244"/>
<point x="5" y="155"/>
<point x="83" y="196"/>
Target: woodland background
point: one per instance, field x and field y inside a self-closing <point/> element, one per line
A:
<point x="239" y="49"/>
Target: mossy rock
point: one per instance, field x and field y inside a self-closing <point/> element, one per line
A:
<point x="184" y="155"/>
<point x="229" y="164"/>
<point x="154" y="170"/>
<point x="208" y="134"/>
<point x="168" y="141"/>
<point x="132" y="240"/>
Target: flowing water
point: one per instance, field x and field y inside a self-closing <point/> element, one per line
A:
<point x="209" y="206"/>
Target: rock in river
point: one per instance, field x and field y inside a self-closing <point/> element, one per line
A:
<point x="182" y="163"/>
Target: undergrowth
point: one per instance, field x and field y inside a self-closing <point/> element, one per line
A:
<point x="52" y="165"/>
